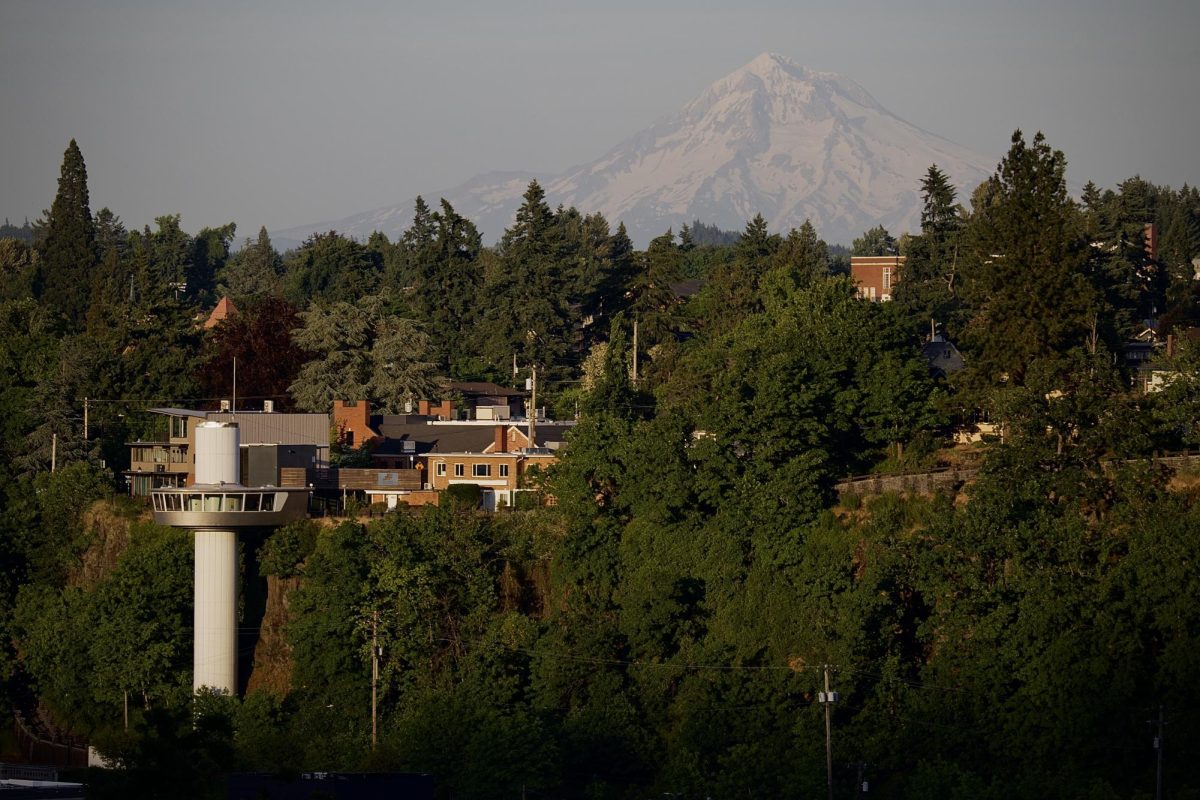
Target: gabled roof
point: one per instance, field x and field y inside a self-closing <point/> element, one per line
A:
<point x="943" y="357"/>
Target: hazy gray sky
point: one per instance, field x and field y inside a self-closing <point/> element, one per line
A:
<point x="283" y="113"/>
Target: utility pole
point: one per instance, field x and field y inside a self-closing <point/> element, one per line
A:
<point x="1158" y="748"/>
<point x="635" y="352"/>
<point x="85" y="419"/>
<point x="53" y="452"/>
<point x="233" y="405"/>
<point x="533" y="410"/>
<point x="375" y="653"/>
<point x="827" y="699"/>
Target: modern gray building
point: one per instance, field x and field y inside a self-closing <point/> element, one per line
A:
<point x="267" y="438"/>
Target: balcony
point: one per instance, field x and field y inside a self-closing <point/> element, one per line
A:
<point x="158" y="457"/>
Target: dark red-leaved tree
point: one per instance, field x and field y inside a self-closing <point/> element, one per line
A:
<point x="259" y="336"/>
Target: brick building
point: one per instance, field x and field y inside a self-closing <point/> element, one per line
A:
<point x="875" y="276"/>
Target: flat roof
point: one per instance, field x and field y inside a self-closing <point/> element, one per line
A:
<point x="179" y="412"/>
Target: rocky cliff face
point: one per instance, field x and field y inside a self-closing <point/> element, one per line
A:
<point x="272" y="669"/>
<point x="772" y="138"/>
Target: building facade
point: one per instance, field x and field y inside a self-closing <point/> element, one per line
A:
<point x="875" y="276"/>
<point x="268" y="441"/>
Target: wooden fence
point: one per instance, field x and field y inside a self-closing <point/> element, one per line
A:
<point x="63" y="751"/>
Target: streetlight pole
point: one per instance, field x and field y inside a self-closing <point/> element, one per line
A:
<point x="375" y="652"/>
<point x="828" y="698"/>
<point x="1158" y="747"/>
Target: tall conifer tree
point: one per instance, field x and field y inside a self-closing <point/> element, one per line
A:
<point x="69" y="245"/>
<point x="529" y="315"/>
<point x="1026" y="279"/>
<point x="929" y="283"/>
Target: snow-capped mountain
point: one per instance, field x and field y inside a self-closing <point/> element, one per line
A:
<point x="772" y="138"/>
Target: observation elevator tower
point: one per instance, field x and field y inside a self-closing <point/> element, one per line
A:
<point x="216" y="507"/>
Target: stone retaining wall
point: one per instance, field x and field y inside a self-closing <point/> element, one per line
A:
<point x="953" y="479"/>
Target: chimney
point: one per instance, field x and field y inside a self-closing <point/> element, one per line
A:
<point x="354" y="413"/>
<point x="501" y="439"/>
<point x="352" y="418"/>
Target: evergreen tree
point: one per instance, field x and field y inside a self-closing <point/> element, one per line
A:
<point x="734" y="289"/>
<point x="929" y="283"/>
<point x="939" y="214"/>
<point x="68" y="248"/>
<point x="253" y="272"/>
<point x="110" y="232"/>
<point x="653" y="300"/>
<point x="441" y="253"/>
<point x="18" y="271"/>
<point x="362" y="353"/>
<point x="1131" y="283"/>
<point x="1026" y="279"/>
<point x="875" y="242"/>
<point x="801" y="259"/>
<point x="332" y="268"/>
<point x="587" y="266"/>
<point x="1179" y="247"/>
<point x="416" y="265"/>
<point x="210" y="253"/>
<point x="685" y="238"/>
<point x="172" y="258"/>
<point x="622" y="269"/>
<point x="529" y="314"/>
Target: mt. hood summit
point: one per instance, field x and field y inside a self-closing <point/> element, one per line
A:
<point x="771" y="138"/>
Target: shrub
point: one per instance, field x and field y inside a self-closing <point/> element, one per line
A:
<point x="464" y="495"/>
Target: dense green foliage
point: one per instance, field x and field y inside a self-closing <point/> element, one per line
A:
<point x="665" y="626"/>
